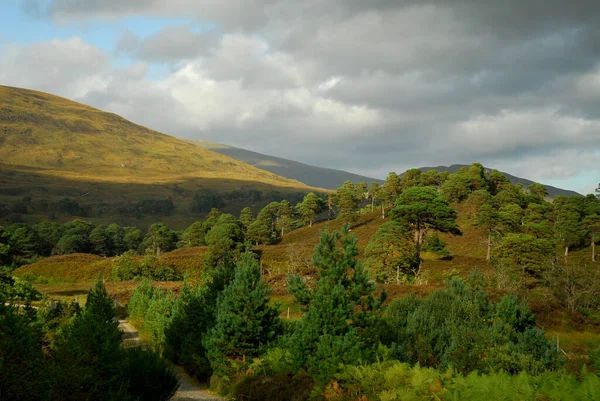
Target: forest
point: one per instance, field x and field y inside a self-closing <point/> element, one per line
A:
<point x="473" y="337"/>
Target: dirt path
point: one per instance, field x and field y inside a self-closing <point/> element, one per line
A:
<point x="189" y="389"/>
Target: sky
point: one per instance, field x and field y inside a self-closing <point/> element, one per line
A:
<point x="363" y="86"/>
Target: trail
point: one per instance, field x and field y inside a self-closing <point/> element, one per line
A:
<point x="189" y="389"/>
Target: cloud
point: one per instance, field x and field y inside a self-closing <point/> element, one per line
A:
<point x="370" y="87"/>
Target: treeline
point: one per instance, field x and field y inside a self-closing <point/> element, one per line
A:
<point x="202" y="203"/>
<point x="347" y="343"/>
<point x="72" y="353"/>
<point x="21" y="243"/>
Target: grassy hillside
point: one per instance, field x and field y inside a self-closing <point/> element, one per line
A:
<point x="310" y="175"/>
<point x="51" y="148"/>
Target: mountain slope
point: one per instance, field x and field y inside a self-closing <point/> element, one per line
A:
<point x="553" y="192"/>
<point x="62" y="138"/>
<point x="310" y="175"/>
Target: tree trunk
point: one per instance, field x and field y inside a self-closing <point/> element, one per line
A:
<point x="310" y="222"/>
<point x="282" y="226"/>
<point x="489" y="247"/>
<point x="566" y="253"/>
<point x="418" y="238"/>
<point x="382" y="211"/>
<point x="398" y="274"/>
<point x="372" y="204"/>
<point x="593" y="251"/>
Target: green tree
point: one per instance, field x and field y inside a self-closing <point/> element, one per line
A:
<point x="488" y="217"/>
<point x="389" y="191"/>
<point x="348" y="199"/>
<point x="22" y="365"/>
<point x="390" y="253"/>
<point x="411" y="178"/>
<point x="310" y="207"/>
<point x="340" y="310"/>
<point x="193" y="317"/>
<point x="194" y="235"/>
<point x="115" y="234"/>
<point x="88" y="355"/>
<point x="568" y="227"/>
<point x="259" y="232"/>
<point x="246" y="218"/>
<point x="245" y="322"/>
<point x="49" y="234"/>
<point x="373" y="194"/>
<point x="457" y="187"/>
<point x="538" y="190"/>
<point x="592" y="226"/>
<point x="524" y="252"/>
<point x="284" y="215"/>
<point x="5" y="252"/>
<point x="225" y="239"/>
<point x="99" y="241"/>
<point x="159" y="239"/>
<point x="132" y="238"/>
<point x="424" y="209"/>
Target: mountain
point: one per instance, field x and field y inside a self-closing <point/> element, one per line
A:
<point x="52" y="148"/>
<point x="553" y="192"/>
<point x="320" y="177"/>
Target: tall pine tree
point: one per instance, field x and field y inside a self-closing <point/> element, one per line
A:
<point x="340" y="311"/>
<point x="245" y="322"/>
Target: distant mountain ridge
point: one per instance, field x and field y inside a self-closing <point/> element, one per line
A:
<point x="553" y="192"/>
<point x="328" y="178"/>
<point x="313" y="176"/>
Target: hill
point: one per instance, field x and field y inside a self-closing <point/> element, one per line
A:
<point x="330" y="178"/>
<point x="553" y="192"/>
<point x="320" y="177"/>
<point x="52" y="148"/>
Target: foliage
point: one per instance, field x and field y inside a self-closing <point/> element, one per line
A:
<point x="390" y="254"/>
<point x="348" y="199"/>
<point x="392" y="380"/>
<point x="87" y="355"/>
<point x="193" y="316"/>
<point x="435" y="244"/>
<point x="459" y="328"/>
<point x="310" y="207"/>
<point x="149" y="377"/>
<point x="424" y="209"/>
<point x="245" y="322"/>
<point x="340" y="311"/>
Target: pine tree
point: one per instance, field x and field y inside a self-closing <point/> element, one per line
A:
<point x="259" y="232"/>
<point x="340" y="311"/>
<point x="488" y="217"/>
<point x="193" y="317"/>
<point x="390" y="252"/>
<point x="246" y="218"/>
<point x="245" y="323"/>
<point x="348" y="199"/>
<point x="284" y="214"/>
<point x="424" y="209"/>
<point x="310" y="207"/>
<point x="88" y="354"/>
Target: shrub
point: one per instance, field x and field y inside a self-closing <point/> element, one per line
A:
<point x="458" y="327"/>
<point x="150" y="378"/>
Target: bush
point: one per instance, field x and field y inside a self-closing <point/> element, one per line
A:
<point x="150" y="377"/>
<point x="458" y="328"/>
<point x="281" y="387"/>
